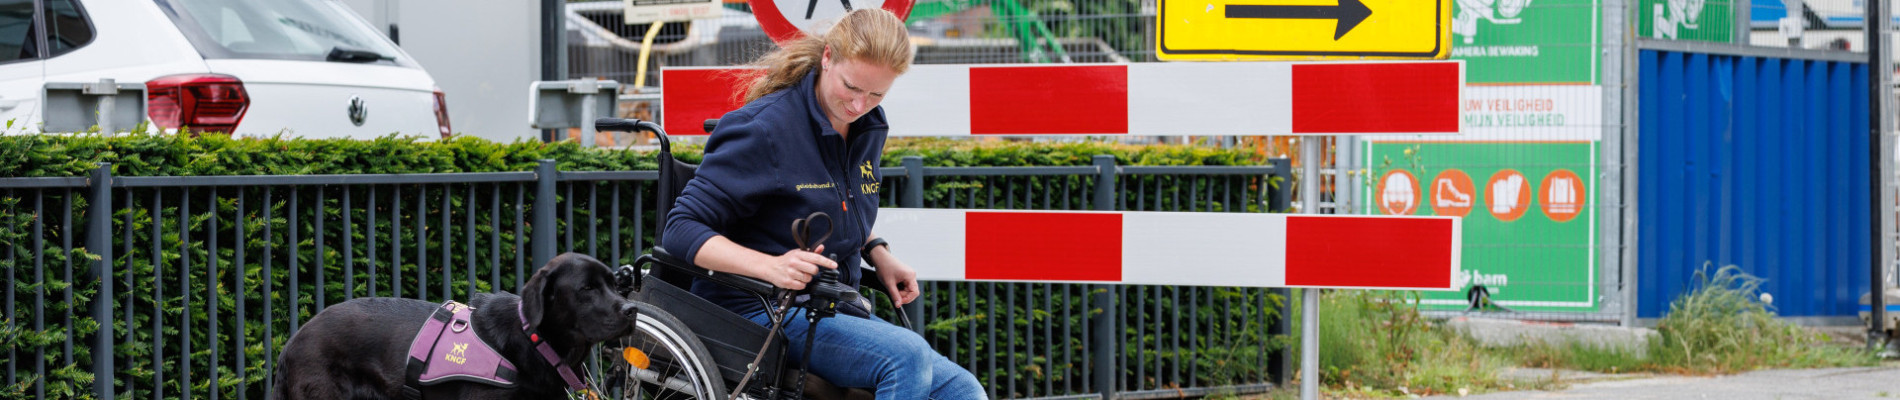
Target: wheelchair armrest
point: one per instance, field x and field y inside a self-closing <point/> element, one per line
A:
<point x="869" y="280"/>
<point x="752" y="285"/>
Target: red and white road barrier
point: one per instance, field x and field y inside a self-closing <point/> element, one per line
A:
<point x="1177" y="248"/>
<point x="1179" y="99"/>
<point x="1169" y="99"/>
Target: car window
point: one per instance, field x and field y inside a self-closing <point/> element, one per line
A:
<point x="17" y="36"/>
<point x="285" y="29"/>
<point x="68" y="26"/>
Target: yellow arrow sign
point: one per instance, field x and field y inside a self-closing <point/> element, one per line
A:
<point x="1303" y="29"/>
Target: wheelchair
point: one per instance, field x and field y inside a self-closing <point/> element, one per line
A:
<point x="684" y="347"/>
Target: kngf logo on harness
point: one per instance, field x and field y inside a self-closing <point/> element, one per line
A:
<point x="458" y="354"/>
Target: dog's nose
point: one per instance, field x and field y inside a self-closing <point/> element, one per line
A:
<point x="627" y="308"/>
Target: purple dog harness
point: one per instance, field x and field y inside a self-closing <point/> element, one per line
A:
<point x="447" y="350"/>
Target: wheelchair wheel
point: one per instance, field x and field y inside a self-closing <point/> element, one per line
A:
<point x="678" y="366"/>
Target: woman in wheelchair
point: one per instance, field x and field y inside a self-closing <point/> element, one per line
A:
<point x="808" y="141"/>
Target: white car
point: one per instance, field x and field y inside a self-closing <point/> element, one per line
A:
<point x="308" y="68"/>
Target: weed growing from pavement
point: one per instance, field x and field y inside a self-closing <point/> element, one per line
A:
<point x="1377" y="342"/>
<point x="1723" y="327"/>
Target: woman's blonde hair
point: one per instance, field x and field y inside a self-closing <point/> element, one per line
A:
<point x="871" y="35"/>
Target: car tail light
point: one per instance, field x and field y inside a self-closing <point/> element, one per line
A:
<point x="203" y="102"/>
<point x="442" y="113"/>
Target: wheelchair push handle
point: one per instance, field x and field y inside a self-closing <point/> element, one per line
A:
<point x="626" y="125"/>
<point x="633" y="125"/>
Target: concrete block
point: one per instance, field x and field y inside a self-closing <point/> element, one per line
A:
<point x="1504" y="332"/>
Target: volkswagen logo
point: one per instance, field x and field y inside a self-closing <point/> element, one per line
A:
<point x="358" y="110"/>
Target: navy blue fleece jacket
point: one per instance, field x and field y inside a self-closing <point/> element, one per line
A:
<point x="772" y="161"/>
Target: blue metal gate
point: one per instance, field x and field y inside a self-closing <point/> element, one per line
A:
<point x="1757" y="161"/>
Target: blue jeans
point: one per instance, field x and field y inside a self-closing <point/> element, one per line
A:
<point x="862" y="353"/>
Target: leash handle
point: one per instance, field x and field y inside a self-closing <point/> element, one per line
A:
<point x="801" y="231"/>
<point x="827" y="288"/>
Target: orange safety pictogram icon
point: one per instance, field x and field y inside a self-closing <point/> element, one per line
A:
<point x="1563" y="195"/>
<point x="1398" y="192"/>
<point x="1452" y="193"/>
<point x="1507" y="195"/>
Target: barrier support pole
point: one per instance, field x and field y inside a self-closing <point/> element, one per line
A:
<point x="1309" y="298"/>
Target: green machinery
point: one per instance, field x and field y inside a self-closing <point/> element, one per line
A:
<point x="1038" y="43"/>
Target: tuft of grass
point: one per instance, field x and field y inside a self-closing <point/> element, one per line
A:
<point x="1578" y="356"/>
<point x="1719" y="327"/>
<point x="1723" y="327"/>
<point x="1376" y="342"/>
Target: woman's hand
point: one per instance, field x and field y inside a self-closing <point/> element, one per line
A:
<point x="796" y="268"/>
<point x="897" y="276"/>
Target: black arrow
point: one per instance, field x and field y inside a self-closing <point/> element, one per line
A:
<point x="1348" y="12"/>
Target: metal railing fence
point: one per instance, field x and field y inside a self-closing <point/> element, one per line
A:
<point x="211" y="275"/>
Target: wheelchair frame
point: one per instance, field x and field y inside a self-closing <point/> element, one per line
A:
<point x="718" y="346"/>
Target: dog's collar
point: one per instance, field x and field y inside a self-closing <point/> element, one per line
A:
<point x="547" y="351"/>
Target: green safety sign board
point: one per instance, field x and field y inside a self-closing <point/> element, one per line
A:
<point x="1530" y="223"/>
<point x="1527" y="41"/>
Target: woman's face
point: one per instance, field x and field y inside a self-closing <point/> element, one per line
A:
<point x="847" y="89"/>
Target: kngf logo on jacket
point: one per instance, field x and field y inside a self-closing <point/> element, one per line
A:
<point x="868" y="172"/>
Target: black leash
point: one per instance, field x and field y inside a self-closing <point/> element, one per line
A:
<point x="778" y="325"/>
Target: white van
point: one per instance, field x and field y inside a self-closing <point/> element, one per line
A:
<point x="308" y="68"/>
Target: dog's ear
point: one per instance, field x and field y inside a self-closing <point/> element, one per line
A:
<point x="534" y="294"/>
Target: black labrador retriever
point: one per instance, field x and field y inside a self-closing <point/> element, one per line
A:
<point x="359" y="349"/>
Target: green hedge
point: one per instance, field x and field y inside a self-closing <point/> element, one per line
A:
<point x="172" y="155"/>
<point x="169" y="155"/>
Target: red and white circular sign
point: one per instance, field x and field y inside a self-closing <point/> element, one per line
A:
<point x="785" y="20"/>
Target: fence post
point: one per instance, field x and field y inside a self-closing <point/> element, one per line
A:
<point x="543" y="225"/>
<point x="1281" y="199"/>
<point x="99" y="242"/>
<point x="1279" y="366"/>
<point x="913" y="182"/>
<point x="1104" y="341"/>
<point x="914" y="198"/>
